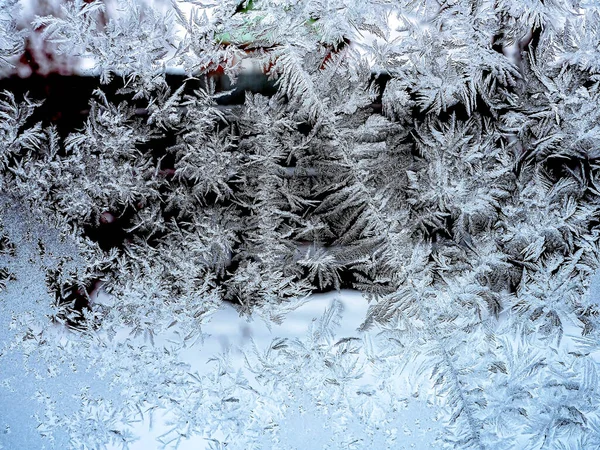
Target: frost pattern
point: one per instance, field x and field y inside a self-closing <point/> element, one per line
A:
<point x="441" y="158"/>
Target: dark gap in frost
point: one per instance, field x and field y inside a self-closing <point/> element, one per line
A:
<point x="6" y="246"/>
<point x="72" y="299"/>
<point x="66" y="99"/>
<point x="5" y="277"/>
<point x="304" y="128"/>
<point x="109" y="229"/>
<point x="380" y="80"/>
<point x="559" y="166"/>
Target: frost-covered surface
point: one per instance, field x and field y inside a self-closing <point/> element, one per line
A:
<point x="446" y="171"/>
<point x="45" y="378"/>
<point x="290" y="408"/>
<point x="62" y="389"/>
<point x="244" y="383"/>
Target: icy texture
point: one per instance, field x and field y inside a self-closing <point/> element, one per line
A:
<point x="455" y="188"/>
